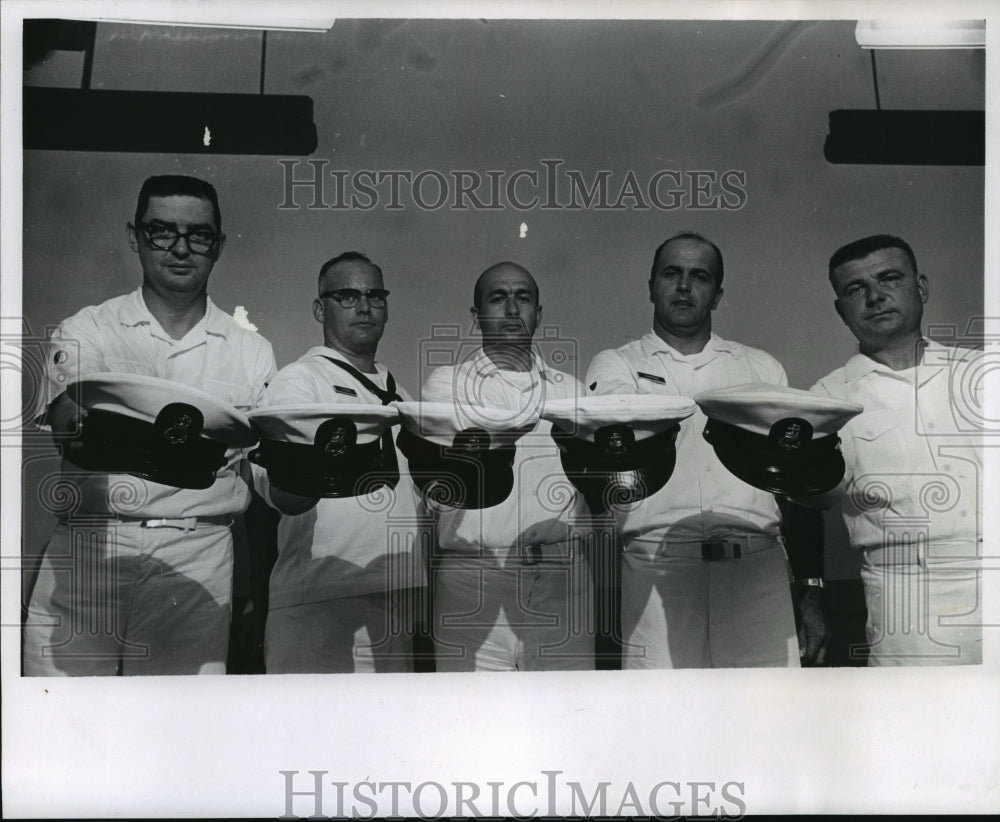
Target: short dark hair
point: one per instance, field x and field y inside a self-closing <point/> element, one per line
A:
<point x="346" y="257"/>
<point x="171" y="185"/>
<point x="691" y="235"/>
<point x="860" y="249"/>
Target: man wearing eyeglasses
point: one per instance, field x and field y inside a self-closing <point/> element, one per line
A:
<point x="910" y="497"/>
<point x="345" y="588"/>
<point x="149" y="583"/>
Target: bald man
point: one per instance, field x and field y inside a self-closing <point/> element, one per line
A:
<point x="511" y="584"/>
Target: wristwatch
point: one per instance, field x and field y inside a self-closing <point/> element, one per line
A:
<point x="809" y="582"/>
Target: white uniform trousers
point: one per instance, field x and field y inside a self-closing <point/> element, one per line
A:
<point x="118" y="597"/>
<point x="527" y="609"/>
<point x="924" y="605"/>
<point x="368" y="633"/>
<point x="682" y="609"/>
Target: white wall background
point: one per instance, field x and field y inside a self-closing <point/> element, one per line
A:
<point x="446" y="95"/>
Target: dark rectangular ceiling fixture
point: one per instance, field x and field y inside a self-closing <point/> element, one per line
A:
<point x="168" y="122"/>
<point x="906" y="137"/>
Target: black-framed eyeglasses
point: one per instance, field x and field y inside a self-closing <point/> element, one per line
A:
<point x="350" y="297"/>
<point x="164" y="237"/>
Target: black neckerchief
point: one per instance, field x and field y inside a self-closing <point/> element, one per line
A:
<point x="386" y="395"/>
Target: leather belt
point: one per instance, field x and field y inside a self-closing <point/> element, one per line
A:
<point x="181" y="523"/>
<point x="710" y="550"/>
<point x="565" y="552"/>
<point x="924" y="554"/>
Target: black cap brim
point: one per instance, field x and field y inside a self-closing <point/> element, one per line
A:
<point x="814" y="469"/>
<point x="310" y="471"/>
<point x="607" y="479"/>
<point x="169" y="451"/>
<point x="457" y="477"/>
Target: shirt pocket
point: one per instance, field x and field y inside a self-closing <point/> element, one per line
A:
<point x="873" y="426"/>
<point x="878" y="457"/>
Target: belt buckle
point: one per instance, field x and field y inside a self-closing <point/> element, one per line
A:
<point x="716" y="549"/>
<point x="713" y="551"/>
<point x="531" y="554"/>
<point x="184" y="524"/>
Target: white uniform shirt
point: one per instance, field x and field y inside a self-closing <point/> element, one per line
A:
<point x="217" y="356"/>
<point x="350" y="545"/>
<point x="702" y="498"/>
<point x="543" y="505"/>
<point x="913" y="458"/>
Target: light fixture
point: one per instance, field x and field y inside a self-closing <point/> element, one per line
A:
<point x="70" y="119"/>
<point x="906" y="137"/>
<point x="921" y="34"/>
<point x="273" y="21"/>
<point x="86" y="119"/>
<point x="910" y="136"/>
